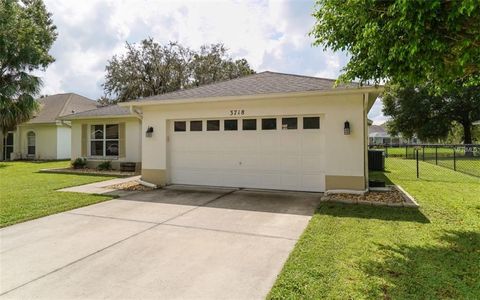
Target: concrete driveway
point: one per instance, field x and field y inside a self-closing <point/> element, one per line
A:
<point x="178" y="242"/>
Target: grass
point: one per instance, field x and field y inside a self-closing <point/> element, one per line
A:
<point x="367" y="252"/>
<point x="26" y="194"/>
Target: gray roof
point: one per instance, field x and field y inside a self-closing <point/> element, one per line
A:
<point x="256" y="84"/>
<point x="105" y="111"/>
<point x="55" y="106"/>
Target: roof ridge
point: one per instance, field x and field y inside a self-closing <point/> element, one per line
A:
<point x="203" y="85"/>
<point x="298" y="75"/>
<point x="65" y="104"/>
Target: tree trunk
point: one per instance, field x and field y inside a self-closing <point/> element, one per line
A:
<point x="467" y="137"/>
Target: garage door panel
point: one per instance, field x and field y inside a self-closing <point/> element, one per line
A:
<point x="274" y="159"/>
<point x="271" y="162"/>
<point x="290" y="163"/>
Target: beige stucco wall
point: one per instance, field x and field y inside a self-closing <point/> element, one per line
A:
<point x="132" y="140"/>
<point x="345" y="154"/>
<point x="45" y="141"/>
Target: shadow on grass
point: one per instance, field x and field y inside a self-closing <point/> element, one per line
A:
<point x="449" y="269"/>
<point x="384" y="213"/>
<point x="3" y="166"/>
<point x="377" y="175"/>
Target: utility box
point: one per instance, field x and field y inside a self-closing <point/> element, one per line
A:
<point x="376" y="160"/>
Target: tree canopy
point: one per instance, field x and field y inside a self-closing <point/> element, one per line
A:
<point x="408" y="42"/>
<point x="416" y="112"/>
<point x="149" y="68"/>
<point x="26" y="35"/>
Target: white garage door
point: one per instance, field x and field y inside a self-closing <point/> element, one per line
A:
<point x="286" y="153"/>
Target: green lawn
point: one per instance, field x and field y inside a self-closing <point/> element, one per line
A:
<point x="26" y="194"/>
<point x="365" y="252"/>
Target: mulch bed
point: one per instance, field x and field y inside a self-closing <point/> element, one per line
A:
<point x="131" y="186"/>
<point x="88" y="171"/>
<point x="392" y="197"/>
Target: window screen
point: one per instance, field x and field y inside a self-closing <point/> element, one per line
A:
<point x="289" y="123"/>
<point x="311" y="122"/>
<point x="195" y="125"/>
<point x="213" y="125"/>
<point x="269" y="124"/>
<point x="249" y="124"/>
<point x="230" y="125"/>
<point x="180" y="126"/>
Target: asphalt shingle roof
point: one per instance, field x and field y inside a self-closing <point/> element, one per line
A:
<point x="55" y="106"/>
<point x="112" y="110"/>
<point x="256" y="84"/>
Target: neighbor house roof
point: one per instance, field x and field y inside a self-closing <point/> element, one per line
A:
<point x="256" y="84"/>
<point x="105" y="111"/>
<point x="55" y="106"/>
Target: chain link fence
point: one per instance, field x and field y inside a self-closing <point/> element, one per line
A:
<point x="460" y="158"/>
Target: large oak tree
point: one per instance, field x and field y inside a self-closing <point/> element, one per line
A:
<point x="26" y="35"/>
<point x="149" y="68"/>
<point x="416" y="112"/>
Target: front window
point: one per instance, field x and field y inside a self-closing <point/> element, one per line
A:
<point x="104" y="140"/>
<point x="31" y="143"/>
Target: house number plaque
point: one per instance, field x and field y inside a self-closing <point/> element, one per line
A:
<point x="237" y="112"/>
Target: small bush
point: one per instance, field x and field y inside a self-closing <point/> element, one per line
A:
<point x="79" y="163"/>
<point x="105" y="166"/>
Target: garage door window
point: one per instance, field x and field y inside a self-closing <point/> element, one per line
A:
<point x="249" y="124"/>
<point x="180" y="126"/>
<point x="196" y="126"/>
<point x="311" y="122"/>
<point x="289" y="123"/>
<point x="213" y="125"/>
<point x="230" y="125"/>
<point x="269" y="124"/>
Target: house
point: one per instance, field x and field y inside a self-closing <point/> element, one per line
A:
<point x="45" y="136"/>
<point x="267" y="130"/>
<point x="110" y="133"/>
<point x="378" y="135"/>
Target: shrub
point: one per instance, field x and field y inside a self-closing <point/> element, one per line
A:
<point x="79" y="163"/>
<point x="105" y="166"/>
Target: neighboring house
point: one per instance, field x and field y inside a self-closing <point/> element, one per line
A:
<point x="45" y="136"/>
<point x="110" y="133"/>
<point x="378" y="135"/>
<point x="267" y="130"/>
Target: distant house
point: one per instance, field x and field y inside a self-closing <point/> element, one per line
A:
<point x="45" y="136"/>
<point x="378" y="135"/>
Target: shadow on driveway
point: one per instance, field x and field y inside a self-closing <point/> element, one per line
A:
<point x="282" y="202"/>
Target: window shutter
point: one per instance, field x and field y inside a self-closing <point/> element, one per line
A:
<point x="84" y="140"/>
<point x="121" y="140"/>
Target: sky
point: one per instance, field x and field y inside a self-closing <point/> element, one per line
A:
<point x="271" y="34"/>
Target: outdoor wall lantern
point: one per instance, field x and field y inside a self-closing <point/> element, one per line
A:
<point x="346" y="128"/>
<point x="149" y="131"/>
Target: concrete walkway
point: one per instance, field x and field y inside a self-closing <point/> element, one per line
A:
<point x="101" y="187"/>
<point x="173" y="243"/>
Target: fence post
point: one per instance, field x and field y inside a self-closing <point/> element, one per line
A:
<point x="423" y="152"/>
<point x="454" y="159"/>
<point x="416" y="158"/>
<point x="436" y="154"/>
<point x="406" y="151"/>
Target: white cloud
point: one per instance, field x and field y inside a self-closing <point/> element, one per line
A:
<point x="270" y="34"/>
<point x="376" y="114"/>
